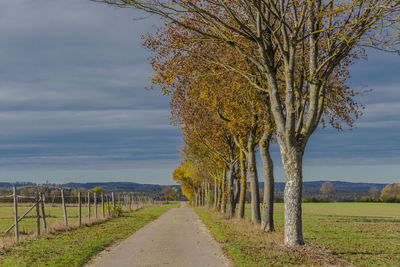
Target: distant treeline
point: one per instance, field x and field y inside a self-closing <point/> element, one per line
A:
<point x="52" y="194"/>
<point x="315" y="191"/>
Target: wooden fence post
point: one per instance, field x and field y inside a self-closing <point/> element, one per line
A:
<point x="108" y="205"/>
<point x="79" y="209"/>
<point x="95" y="205"/>
<point x="88" y="201"/>
<point x="113" y="200"/>
<point x="38" y="213"/>
<point x="64" y="208"/>
<point x="102" y="205"/>
<point x="16" y="214"/>
<point x="43" y="213"/>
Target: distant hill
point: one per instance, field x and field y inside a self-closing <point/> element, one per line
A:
<point x="338" y="185"/>
<point x="344" y="191"/>
<point x="118" y="186"/>
<point x="107" y="186"/>
<point x="130" y="186"/>
<point x="18" y="184"/>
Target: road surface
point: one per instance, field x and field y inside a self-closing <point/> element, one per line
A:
<point x="177" y="238"/>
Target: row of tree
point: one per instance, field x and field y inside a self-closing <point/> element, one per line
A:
<point x="243" y="74"/>
<point x="390" y="193"/>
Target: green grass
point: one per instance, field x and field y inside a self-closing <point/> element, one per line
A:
<point x="54" y="215"/>
<point x="365" y="234"/>
<point x="76" y="247"/>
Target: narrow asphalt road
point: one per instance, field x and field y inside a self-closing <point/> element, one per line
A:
<point x="177" y="238"/>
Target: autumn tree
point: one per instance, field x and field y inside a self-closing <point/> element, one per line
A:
<point x="187" y="65"/>
<point x="96" y="189"/>
<point x="390" y="193"/>
<point x="300" y="45"/>
<point x="373" y="193"/>
<point x="192" y="109"/>
<point x="167" y="192"/>
<point x="181" y="176"/>
<point x="327" y="189"/>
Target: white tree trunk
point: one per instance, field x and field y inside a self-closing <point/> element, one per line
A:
<point x="253" y="177"/>
<point x="231" y="198"/>
<point x="267" y="218"/>
<point x="292" y="163"/>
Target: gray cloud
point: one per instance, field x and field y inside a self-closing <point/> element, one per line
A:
<point x="73" y="104"/>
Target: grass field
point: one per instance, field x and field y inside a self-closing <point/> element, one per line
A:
<point x="76" y="247"/>
<point x="365" y="234"/>
<point x="54" y="213"/>
<point x="54" y="218"/>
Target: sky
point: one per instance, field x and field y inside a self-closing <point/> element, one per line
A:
<point x="74" y="104"/>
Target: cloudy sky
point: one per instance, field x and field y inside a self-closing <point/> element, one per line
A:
<point x="73" y="103"/>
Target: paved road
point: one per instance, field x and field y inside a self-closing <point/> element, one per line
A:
<point x="177" y="238"/>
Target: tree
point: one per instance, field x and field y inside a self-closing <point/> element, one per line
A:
<point x="167" y="192"/>
<point x="374" y="193"/>
<point x="327" y="188"/>
<point x="390" y="193"/>
<point x="175" y="194"/>
<point x="96" y="189"/>
<point x="239" y="106"/>
<point x="4" y="191"/>
<point x="299" y="45"/>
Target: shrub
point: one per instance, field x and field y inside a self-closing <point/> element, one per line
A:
<point x="310" y="199"/>
<point x="118" y="211"/>
<point x="366" y="199"/>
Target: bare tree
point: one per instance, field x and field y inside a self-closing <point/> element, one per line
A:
<point x="374" y="193"/>
<point x="327" y="188"/>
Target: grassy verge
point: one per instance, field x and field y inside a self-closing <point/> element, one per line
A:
<point x="364" y="234"/>
<point x="76" y="247"/>
<point x="246" y="245"/>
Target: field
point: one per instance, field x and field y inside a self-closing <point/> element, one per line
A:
<point x="365" y="234"/>
<point x="54" y="218"/>
<point x="76" y="247"/>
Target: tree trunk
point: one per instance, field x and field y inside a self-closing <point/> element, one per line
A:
<point x="209" y="195"/>
<point x="198" y="197"/>
<point x="223" y="193"/>
<point x="293" y="164"/>
<point x="204" y="194"/>
<point x="267" y="219"/>
<point x="243" y="185"/>
<point x="203" y="199"/>
<point x="237" y="191"/>
<point x="215" y="193"/>
<point x="219" y="196"/>
<point x="230" y="195"/>
<point x="253" y="177"/>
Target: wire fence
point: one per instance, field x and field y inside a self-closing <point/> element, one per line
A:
<point x="37" y="213"/>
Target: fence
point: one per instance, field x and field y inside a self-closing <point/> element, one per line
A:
<point x="42" y="215"/>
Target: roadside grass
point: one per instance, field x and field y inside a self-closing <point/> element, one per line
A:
<point x="364" y="234"/>
<point x="246" y="245"/>
<point x="78" y="246"/>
